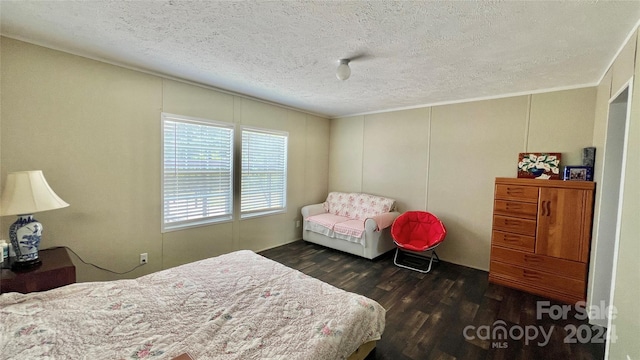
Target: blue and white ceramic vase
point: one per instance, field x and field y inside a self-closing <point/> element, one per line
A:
<point x="25" y="235"/>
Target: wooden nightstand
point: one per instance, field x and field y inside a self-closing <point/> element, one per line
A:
<point x="56" y="270"/>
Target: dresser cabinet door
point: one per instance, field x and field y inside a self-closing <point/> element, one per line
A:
<point x="560" y="223"/>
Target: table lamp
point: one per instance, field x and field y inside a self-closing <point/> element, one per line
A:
<point x="25" y="193"/>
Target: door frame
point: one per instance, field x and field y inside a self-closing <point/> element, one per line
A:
<point x="601" y="235"/>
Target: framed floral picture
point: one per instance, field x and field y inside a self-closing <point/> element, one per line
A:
<point x="539" y="165"/>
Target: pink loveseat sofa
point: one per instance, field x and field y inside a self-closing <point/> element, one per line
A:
<point x="356" y="223"/>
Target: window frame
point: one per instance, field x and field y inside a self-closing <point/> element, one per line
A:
<point x="211" y="220"/>
<point x="263" y="212"/>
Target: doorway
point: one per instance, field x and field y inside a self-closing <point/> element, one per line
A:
<point x="606" y="252"/>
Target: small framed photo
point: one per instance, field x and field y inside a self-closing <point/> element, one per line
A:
<point x="578" y="173"/>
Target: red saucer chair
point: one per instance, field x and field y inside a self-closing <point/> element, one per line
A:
<point x="416" y="232"/>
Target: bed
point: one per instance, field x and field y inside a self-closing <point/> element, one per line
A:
<point x="234" y="306"/>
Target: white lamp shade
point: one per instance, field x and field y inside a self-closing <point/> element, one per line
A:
<point x="27" y="192"/>
<point x="344" y="71"/>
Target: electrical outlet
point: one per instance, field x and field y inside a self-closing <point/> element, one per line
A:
<point x="297" y="223"/>
<point x="144" y="258"/>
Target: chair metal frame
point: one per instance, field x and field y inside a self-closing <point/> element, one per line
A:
<point x="431" y="259"/>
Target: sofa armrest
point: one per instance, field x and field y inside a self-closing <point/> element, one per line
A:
<point x="379" y="222"/>
<point x="311" y="210"/>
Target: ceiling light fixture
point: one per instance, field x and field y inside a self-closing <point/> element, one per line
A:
<point x="344" y="71"/>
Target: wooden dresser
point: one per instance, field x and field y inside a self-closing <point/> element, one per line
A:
<point x="541" y="236"/>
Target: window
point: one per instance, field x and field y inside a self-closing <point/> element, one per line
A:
<point x="197" y="179"/>
<point x="264" y="172"/>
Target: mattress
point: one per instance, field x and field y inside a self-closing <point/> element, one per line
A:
<point x="234" y="306"/>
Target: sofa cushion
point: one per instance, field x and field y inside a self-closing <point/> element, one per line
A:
<point x="367" y="206"/>
<point x="351" y="228"/>
<point x="357" y="205"/>
<point x="339" y="203"/>
<point x="327" y="220"/>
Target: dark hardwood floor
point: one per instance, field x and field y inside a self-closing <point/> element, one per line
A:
<point x="427" y="314"/>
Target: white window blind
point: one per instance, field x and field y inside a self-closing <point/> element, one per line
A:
<point x="264" y="172"/>
<point x="198" y="172"/>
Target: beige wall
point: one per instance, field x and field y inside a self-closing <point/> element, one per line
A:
<point x="386" y="169"/>
<point x="1" y="179"/>
<point x="94" y="129"/>
<point x="345" y="154"/>
<point x="627" y="270"/>
<point x="471" y="145"/>
<point x="562" y="121"/>
<point x="603" y="239"/>
<point x="444" y="159"/>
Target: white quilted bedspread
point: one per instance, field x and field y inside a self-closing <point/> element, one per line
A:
<point x="234" y="306"/>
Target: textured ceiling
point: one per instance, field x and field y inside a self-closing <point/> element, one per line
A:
<point x="415" y="53"/>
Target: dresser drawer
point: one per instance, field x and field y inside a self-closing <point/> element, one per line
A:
<point x="515" y="225"/>
<point x="517" y="192"/>
<point x="515" y="209"/>
<point x="513" y="241"/>
<point x="566" y="268"/>
<point x="556" y="294"/>
<point x="538" y="279"/>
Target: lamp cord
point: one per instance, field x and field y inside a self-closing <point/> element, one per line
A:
<point x="88" y="263"/>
